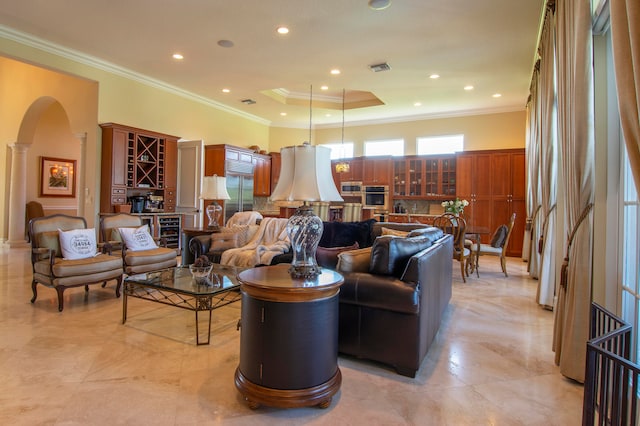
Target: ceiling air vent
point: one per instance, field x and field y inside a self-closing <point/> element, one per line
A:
<point x="380" y="67"/>
<point x="248" y="101"/>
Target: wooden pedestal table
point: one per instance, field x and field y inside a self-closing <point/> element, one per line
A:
<point x="288" y="338"/>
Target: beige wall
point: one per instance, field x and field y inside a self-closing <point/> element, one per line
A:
<point x="487" y="131"/>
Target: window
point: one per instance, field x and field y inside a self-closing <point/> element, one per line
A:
<point x="630" y="286"/>
<point x="446" y="144"/>
<point x="386" y="147"/>
<point x="340" y="150"/>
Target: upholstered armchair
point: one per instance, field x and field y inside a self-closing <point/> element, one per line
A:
<point x="64" y="254"/>
<point x="140" y="252"/>
<point x="497" y="246"/>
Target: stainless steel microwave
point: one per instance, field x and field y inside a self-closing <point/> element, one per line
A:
<point x="351" y="189"/>
<point x="376" y="197"/>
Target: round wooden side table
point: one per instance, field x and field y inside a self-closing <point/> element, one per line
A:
<point x="288" y="338"/>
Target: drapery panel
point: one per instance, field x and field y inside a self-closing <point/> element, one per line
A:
<point x="533" y="181"/>
<point x="548" y="162"/>
<point x="625" y="33"/>
<point x="575" y="132"/>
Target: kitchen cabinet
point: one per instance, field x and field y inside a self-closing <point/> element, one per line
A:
<point x="424" y="177"/>
<point x="376" y="170"/>
<point x="276" y="162"/>
<point x="262" y="175"/>
<point x="353" y="175"/>
<point x="135" y="162"/>
<point x="494" y="184"/>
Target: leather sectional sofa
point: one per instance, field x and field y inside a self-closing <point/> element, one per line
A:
<point x="395" y="289"/>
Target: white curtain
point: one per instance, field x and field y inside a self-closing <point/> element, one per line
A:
<point x="575" y="132"/>
<point x="625" y="31"/>
<point x="533" y="168"/>
<point x="548" y="163"/>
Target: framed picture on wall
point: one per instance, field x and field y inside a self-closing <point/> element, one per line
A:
<point x="57" y="177"/>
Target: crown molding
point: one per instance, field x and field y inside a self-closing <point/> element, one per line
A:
<point x="79" y="57"/>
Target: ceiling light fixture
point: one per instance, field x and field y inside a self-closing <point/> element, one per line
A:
<point x="324" y="87"/>
<point x="282" y="30"/>
<point x="178" y="56"/>
<point x="434" y="76"/>
<point x="283" y="114"/>
<point x="469" y="87"/>
<point x="379" y="4"/>
<point x="496" y="95"/>
<point x="417" y="104"/>
<point x="226" y="91"/>
<point x="342" y="166"/>
<point x="335" y="71"/>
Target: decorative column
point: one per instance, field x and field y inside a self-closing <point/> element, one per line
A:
<point x="83" y="190"/>
<point x="17" y="195"/>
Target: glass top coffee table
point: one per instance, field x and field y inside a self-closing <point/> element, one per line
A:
<point x="176" y="287"/>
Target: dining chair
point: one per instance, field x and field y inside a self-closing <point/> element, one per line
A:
<point x="498" y="245"/>
<point x="456" y="225"/>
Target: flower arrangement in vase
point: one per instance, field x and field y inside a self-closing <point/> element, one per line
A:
<point x="455" y="206"/>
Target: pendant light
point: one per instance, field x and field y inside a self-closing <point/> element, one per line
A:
<point x="342" y="166"/>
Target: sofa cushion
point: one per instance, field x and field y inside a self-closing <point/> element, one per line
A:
<point x="394" y="232"/>
<point x="430" y="232"/>
<point x="341" y="234"/>
<point x="244" y="233"/>
<point x="327" y="257"/>
<point x="78" y="243"/>
<point x="223" y="241"/>
<point x="389" y="255"/>
<point x="354" y="260"/>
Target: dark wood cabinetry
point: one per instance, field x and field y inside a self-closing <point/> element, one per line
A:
<point x="424" y="177"/>
<point x="262" y="175"/>
<point x="494" y="184"/>
<point x="276" y="162"/>
<point x="376" y="171"/>
<point x="134" y="162"/>
<point x="353" y="175"/>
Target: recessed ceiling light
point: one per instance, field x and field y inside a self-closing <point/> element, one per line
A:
<point x="225" y="43"/>
<point x="283" y="114"/>
<point x="177" y="56"/>
<point x="379" y="4"/>
<point x="335" y="71"/>
<point x="327" y="115"/>
<point x="324" y="87"/>
<point x="434" y="76"/>
<point x="469" y="87"/>
<point x="417" y="104"/>
<point x="226" y="90"/>
<point x="496" y="95"/>
<point x="282" y="30"/>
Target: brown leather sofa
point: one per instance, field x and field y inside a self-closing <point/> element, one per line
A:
<point x="392" y="312"/>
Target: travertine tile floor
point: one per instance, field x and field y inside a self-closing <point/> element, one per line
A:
<point x="491" y="363"/>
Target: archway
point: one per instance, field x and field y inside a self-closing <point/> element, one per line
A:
<point x="44" y="131"/>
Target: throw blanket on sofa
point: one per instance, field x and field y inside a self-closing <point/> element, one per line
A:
<point x="244" y="218"/>
<point x="269" y="241"/>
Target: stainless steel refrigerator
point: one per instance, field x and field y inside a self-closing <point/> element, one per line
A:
<point x="240" y="188"/>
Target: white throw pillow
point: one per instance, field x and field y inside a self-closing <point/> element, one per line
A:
<point x="77" y="243"/>
<point x="137" y="239"/>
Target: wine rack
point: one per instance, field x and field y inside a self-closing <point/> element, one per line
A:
<point x="169" y="230"/>
<point x="145" y="161"/>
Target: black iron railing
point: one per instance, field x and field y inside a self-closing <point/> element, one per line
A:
<point x="611" y="379"/>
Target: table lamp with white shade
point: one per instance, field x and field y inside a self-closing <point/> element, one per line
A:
<point x="305" y="176"/>
<point x="214" y="188"/>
